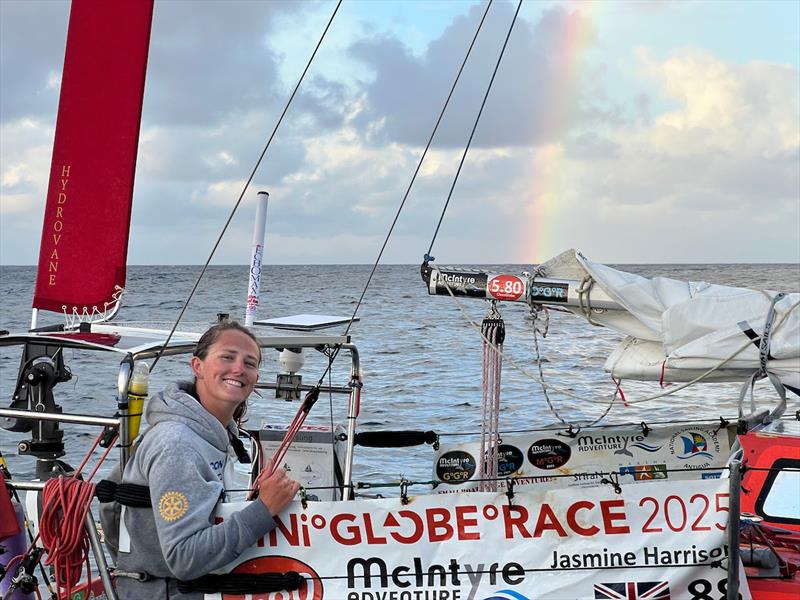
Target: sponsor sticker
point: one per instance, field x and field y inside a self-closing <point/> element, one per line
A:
<point x="549" y="454"/>
<point x="455" y="466"/>
<point x="551" y="292"/>
<point x="645" y="472"/>
<point x="462" y="284"/>
<point x="697" y="447"/>
<point x="506" y="287"/>
<point x="509" y="460"/>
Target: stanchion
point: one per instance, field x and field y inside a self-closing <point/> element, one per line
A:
<point x="733" y="531"/>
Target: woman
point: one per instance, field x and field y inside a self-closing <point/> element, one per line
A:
<point x="183" y="458"/>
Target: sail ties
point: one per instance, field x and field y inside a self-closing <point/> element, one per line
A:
<point x="763" y="356"/>
<point x="493" y="333"/>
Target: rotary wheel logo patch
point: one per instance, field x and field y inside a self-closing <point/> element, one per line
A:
<point x="172" y="506"/>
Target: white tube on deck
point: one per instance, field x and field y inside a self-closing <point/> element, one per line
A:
<point x="255" y="259"/>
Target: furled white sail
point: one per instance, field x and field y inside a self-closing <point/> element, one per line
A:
<point x="678" y="330"/>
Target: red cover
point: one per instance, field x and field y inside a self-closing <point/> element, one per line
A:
<point x="9" y="525"/>
<point x="85" y="235"/>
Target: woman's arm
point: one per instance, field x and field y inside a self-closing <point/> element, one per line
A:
<point x="184" y="492"/>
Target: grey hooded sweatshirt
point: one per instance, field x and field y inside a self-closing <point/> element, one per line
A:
<point x="182" y="457"/>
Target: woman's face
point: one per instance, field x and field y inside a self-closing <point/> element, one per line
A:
<point x="227" y="375"/>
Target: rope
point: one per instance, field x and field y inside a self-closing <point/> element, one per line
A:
<point x="244" y="189"/>
<point x="66" y="503"/>
<point x="472" y="133"/>
<point x="291" y="433"/>
<point x="493" y="330"/>
<point x="62" y="525"/>
<point x="534" y="318"/>
<point x="714" y="564"/>
<point x="763" y="356"/>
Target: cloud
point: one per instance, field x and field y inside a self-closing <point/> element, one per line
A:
<point x="755" y="103"/>
<point x="408" y="91"/>
<point x="695" y="155"/>
<point x="26" y="148"/>
<point x="32" y="56"/>
<point x="720" y="164"/>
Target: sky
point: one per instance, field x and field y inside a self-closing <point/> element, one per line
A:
<point x="635" y="132"/>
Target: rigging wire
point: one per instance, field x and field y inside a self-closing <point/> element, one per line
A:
<point x="246" y="186"/>
<point x="474" y="127"/>
<point x="419" y="166"/>
<point x="407" y="192"/>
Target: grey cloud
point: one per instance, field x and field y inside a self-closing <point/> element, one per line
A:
<point x="322" y="103"/>
<point x="187" y="154"/>
<point x="408" y="91"/>
<point x="590" y="146"/>
<point x="691" y="184"/>
<point x="208" y="59"/>
<point x="34" y="35"/>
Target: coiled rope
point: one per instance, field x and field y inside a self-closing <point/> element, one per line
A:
<point x="62" y="525"/>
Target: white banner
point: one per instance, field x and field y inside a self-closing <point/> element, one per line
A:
<point x="656" y="540"/>
<point x="635" y="454"/>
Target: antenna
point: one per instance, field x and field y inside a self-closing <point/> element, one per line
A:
<point x="259" y="230"/>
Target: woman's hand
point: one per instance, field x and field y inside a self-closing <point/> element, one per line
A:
<point x="277" y="491"/>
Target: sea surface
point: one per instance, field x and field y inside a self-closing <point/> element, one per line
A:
<point x="420" y="357"/>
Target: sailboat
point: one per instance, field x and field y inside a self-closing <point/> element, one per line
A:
<point x="578" y="511"/>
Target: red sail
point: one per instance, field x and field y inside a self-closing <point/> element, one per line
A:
<point x="85" y="235"/>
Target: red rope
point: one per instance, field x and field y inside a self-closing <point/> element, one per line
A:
<point x="62" y="524"/>
<point x="618" y="383"/>
<point x="663" y="369"/>
<point x="65" y="504"/>
<point x="280" y="453"/>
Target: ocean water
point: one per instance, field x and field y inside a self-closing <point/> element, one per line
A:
<point x="421" y="359"/>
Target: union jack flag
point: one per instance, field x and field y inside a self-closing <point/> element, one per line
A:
<point x="632" y="590"/>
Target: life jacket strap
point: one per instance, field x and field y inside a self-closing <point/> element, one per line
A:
<point x="128" y="494"/>
<point x="243" y="583"/>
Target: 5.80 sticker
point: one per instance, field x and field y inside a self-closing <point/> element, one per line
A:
<point x="506" y="287"/>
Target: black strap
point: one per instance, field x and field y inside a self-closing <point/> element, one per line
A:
<point x="394" y="439"/>
<point x="243" y="583"/>
<point x="128" y="494"/>
<point x="238" y="447"/>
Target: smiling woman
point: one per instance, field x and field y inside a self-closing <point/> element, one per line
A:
<point x="185" y="460"/>
<point x="225" y="365"/>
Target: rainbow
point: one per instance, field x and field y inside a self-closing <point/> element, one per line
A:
<point x="554" y="119"/>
